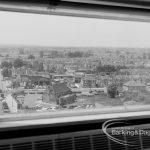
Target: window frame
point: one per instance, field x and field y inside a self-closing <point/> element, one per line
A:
<point x="99" y="12"/>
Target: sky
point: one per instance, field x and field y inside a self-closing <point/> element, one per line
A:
<point x="50" y="30"/>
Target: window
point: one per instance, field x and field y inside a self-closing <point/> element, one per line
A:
<point x="111" y="57"/>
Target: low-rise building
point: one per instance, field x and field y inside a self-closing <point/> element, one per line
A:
<point x="78" y="77"/>
<point x="89" y="81"/>
<point x="13" y="104"/>
<point x="134" y="86"/>
<point x="29" y="80"/>
<point x="56" y="92"/>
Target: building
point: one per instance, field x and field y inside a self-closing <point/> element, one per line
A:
<point x="78" y="77"/>
<point x="58" y="92"/>
<point x="134" y="86"/>
<point x="22" y="71"/>
<point x="13" y="104"/>
<point x="29" y="80"/>
<point x="89" y="81"/>
<point x="67" y="77"/>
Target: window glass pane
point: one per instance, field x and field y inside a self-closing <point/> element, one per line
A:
<point x="57" y="63"/>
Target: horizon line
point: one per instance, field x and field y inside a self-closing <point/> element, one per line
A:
<point x="48" y="46"/>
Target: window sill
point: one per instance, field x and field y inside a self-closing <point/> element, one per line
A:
<point x="69" y="116"/>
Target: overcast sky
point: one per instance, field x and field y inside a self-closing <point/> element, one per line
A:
<point x="46" y="30"/>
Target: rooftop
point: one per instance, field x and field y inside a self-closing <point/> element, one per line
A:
<point x="134" y="83"/>
<point x="90" y="77"/>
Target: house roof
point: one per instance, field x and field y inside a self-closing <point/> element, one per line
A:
<point x="60" y="87"/>
<point x="90" y="77"/>
<point x="18" y="92"/>
<point x="35" y="77"/>
<point x="79" y="74"/>
<point x="134" y="83"/>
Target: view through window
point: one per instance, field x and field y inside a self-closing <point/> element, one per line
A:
<point x="56" y="63"/>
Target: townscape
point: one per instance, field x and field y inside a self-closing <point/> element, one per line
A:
<point x="46" y="79"/>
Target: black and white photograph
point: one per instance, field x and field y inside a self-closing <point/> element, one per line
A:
<point x="75" y="75"/>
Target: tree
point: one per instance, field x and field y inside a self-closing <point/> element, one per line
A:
<point x="31" y="56"/>
<point x="7" y="56"/>
<point x="6" y="72"/>
<point x="54" y="54"/>
<point x="41" y="54"/>
<point x="121" y="67"/>
<point x="52" y="69"/>
<point x="88" y="54"/>
<point x="6" y="64"/>
<point x="29" y="65"/>
<point x="38" y="66"/>
<point x="21" y="51"/>
<point x="75" y="54"/>
<point x="18" y="63"/>
<point x="105" y="68"/>
<point x="112" y="90"/>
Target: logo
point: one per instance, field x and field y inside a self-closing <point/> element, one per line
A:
<point x="125" y="130"/>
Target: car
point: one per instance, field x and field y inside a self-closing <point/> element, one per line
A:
<point x="42" y="109"/>
<point x="51" y="108"/>
<point x="78" y="107"/>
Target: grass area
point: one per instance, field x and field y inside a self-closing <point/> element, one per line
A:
<point x="104" y="100"/>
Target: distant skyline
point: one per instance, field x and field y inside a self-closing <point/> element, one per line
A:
<point x="47" y="30"/>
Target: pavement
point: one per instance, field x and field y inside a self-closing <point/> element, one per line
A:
<point x="45" y="104"/>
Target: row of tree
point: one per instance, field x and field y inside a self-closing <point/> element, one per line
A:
<point x="6" y="72"/>
<point x="7" y="66"/>
<point x="60" y="54"/>
<point x="137" y="96"/>
<point x="16" y="64"/>
<point x="109" y="68"/>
